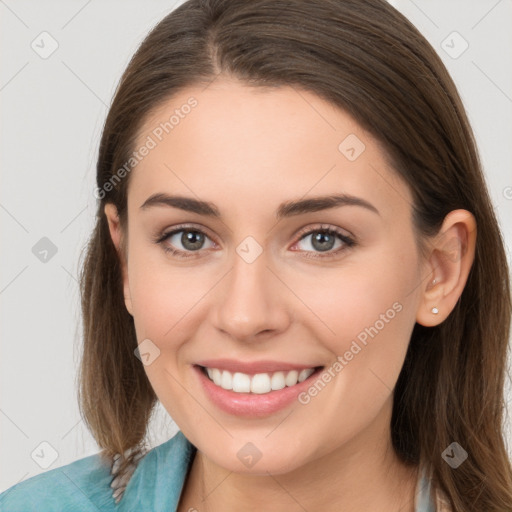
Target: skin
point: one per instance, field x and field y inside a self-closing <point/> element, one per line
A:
<point x="247" y="150"/>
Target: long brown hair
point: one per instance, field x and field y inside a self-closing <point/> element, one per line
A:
<point x="369" y="60"/>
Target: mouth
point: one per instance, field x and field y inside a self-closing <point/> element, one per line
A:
<point x="257" y="383"/>
<point x="253" y="389"/>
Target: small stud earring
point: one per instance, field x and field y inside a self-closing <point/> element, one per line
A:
<point x="434" y="281"/>
<point x="435" y="311"/>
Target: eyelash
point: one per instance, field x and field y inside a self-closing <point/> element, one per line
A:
<point x="347" y="241"/>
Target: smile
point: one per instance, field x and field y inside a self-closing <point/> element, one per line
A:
<point x="259" y="383"/>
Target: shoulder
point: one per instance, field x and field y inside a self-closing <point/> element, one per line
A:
<point x="82" y="485"/>
<point x="85" y="484"/>
<point x="158" y="480"/>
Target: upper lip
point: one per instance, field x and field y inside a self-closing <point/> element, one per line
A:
<point x="253" y="367"/>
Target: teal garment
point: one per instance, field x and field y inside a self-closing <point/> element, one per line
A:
<point x="156" y="484"/>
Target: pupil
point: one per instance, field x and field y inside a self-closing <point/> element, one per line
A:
<point x="320" y="239"/>
<point x="192" y="240"/>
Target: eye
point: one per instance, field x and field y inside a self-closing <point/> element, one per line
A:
<point x="190" y="238"/>
<point x="324" y="239"/>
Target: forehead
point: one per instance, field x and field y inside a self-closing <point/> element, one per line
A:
<point x="250" y="146"/>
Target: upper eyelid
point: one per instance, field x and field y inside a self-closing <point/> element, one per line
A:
<point x="186" y="227"/>
<point x="306" y="231"/>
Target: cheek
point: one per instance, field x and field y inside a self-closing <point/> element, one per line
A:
<point x="165" y="300"/>
<point x="366" y="310"/>
<point x="367" y="314"/>
<point x="162" y="293"/>
<point x="162" y="303"/>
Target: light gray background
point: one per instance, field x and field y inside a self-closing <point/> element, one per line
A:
<point x="52" y="113"/>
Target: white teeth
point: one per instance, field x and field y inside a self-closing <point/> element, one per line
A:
<point x="226" y="380"/>
<point x="259" y="383"/>
<point x="217" y="376"/>
<point x="277" y="381"/>
<point x="304" y="374"/>
<point x="291" y="378"/>
<point x="241" y="383"/>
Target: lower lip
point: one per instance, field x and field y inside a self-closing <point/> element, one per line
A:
<point x="252" y="404"/>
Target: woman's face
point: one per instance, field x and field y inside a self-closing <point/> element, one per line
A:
<point x="262" y="281"/>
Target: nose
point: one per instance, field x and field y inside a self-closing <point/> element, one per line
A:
<point x="251" y="304"/>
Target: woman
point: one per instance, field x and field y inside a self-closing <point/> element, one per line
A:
<point x="296" y="254"/>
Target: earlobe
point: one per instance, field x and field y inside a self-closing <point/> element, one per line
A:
<point x="116" y="235"/>
<point x="452" y="254"/>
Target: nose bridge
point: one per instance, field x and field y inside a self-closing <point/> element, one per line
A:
<point x="250" y="302"/>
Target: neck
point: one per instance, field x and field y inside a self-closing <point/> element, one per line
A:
<point x="364" y="474"/>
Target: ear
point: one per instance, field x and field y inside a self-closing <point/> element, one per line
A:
<point x="117" y="238"/>
<point x="451" y="256"/>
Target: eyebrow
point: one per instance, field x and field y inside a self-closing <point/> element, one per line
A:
<point x="286" y="209"/>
